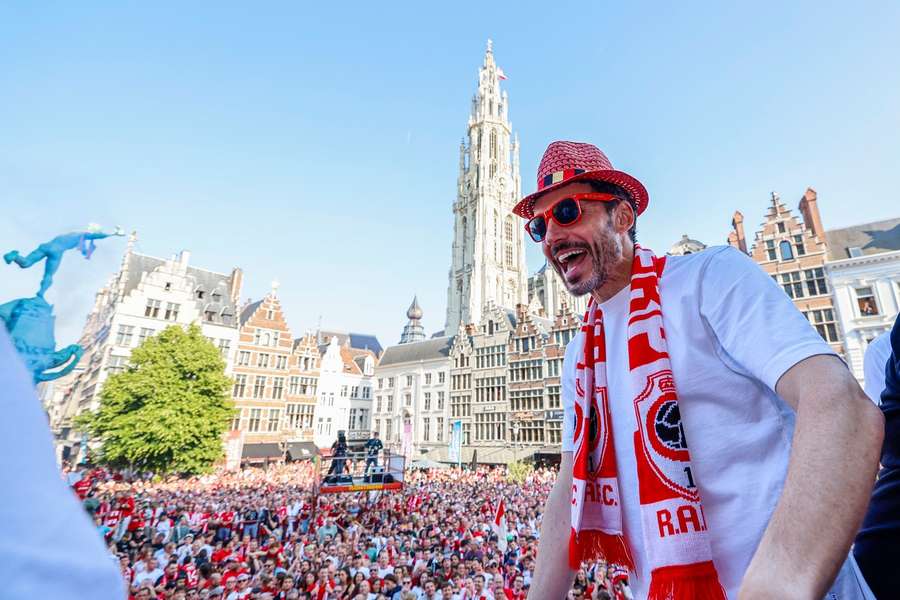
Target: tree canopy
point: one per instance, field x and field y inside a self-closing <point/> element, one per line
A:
<point x="167" y="411"/>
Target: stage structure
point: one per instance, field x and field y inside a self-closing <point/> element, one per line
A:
<point x="349" y="473"/>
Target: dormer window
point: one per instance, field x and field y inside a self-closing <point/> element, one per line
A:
<point x="200" y="294"/>
<point x="216" y="297"/>
<point x="168" y="286"/>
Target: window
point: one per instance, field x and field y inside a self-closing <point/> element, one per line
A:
<point x="168" y="286"/>
<point x="117" y="364"/>
<point x="277" y="387"/>
<point x="388" y="428"/>
<point x="353" y="413"/>
<point x="390" y="382"/>
<point x="200" y="293"/>
<point x="439" y="429"/>
<point x="378" y="427"/>
<point x="270" y="315"/>
<point x="770" y="249"/>
<point x="152" y="309"/>
<point x="255" y="417"/>
<point x="243" y="358"/>
<point x="409" y="380"/>
<point x="123" y="337"/>
<point x="274" y="418"/>
<point x="171" y="311"/>
<point x="509" y="256"/>
<point x="259" y="386"/>
<point x="281" y="361"/>
<point x="293" y="385"/>
<point x="262" y="360"/>
<point x="236" y="421"/>
<point x="276" y="335"/>
<point x="407" y="399"/>
<point x="354" y="391"/>
<point x="381" y="383"/>
<point x="390" y="403"/>
<point x="787" y="252"/>
<point x="366" y="392"/>
<point x="427" y="401"/>
<point x="815" y="281"/>
<point x="294" y="416"/>
<point x="792" y="285"/>
<point x="209" y="315"/>
<point x="224" y="347"/>
<point x="377" y="403"/>
<point x="781" y="227"/>
<point x="823" y="321"/>
<point x="240" y="385"/>
<point x="440" y="377"/>
<point x="308" y="386"/>
<point x="440" y="401"/>
<point x="343" y="391"/>
<point x="508" y="229"/>
<point x="426" y="429"/>
<point x="865" y="300"/>
<point x="144" y="334"/>
<point x="798" y="245"/>
<point x="363" y="418"/>
<point x="427" y="378"/>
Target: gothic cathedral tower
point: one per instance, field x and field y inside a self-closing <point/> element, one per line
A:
<point x="488" y="264"/>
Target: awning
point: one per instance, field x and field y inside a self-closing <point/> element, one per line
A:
<point x="302" y="450"/>
<point x="261" y="451"/>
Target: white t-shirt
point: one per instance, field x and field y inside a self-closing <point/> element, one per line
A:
<point x="874" y="364"/>
<point x="731" y="334"/>
<point x="49" y="548"/>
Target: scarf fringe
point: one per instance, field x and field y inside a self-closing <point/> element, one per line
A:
<point x="592" y="544"/>
<point x="696" y="581"/>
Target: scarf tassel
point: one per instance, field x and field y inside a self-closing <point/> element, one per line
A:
<point x="696" y="581"/>
<point x="592" y="544"/>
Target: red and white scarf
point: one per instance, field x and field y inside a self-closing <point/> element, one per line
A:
<point x="674" y="526"/>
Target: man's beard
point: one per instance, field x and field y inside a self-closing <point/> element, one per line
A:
<point x="604" y="252"/>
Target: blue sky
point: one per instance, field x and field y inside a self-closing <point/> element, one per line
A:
<point x="316" y="143"/>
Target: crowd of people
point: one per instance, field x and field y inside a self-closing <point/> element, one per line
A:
<point x="263" y="534"/>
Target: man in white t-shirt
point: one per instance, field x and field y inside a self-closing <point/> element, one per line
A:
<point x="783" y="443"/>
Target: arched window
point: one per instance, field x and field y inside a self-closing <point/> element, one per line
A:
<point x="493" y="144"/>
<point x="464" y="231"/>
<point x="508" y="227"/>
<point x="787" y="253"/>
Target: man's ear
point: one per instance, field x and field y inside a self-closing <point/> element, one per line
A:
<point x="624" y="217"/>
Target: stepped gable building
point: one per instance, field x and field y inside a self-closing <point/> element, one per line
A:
<point x="261" y="373"/>
<point x="793" y="252"/>
<point x="488" y="250"/>
<point x="413" y="332"/>
<point x="505" y="384"/>
<point x="864" y="272"/>
<point x="144" y="297"/>
<point x="411" y="398"/>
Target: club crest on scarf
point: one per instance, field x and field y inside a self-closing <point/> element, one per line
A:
<point x="674" y="527"/>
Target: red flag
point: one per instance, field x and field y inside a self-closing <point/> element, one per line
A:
<point x="499" y="526"/>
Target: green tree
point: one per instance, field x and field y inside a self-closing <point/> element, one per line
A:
<point x="518" y="471"/>
<point x="167" y="411"/>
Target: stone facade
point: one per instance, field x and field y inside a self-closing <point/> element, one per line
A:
<point x="147" y="295"/>
<point x="505" y="383"/>
<point x="793" y="252"/>
<point x="345" y="393"/>
<point x="412" y="392"/>
<point x="488" y="251"/>
<point x="864" y="273"/>
<point x="549" y="295"/>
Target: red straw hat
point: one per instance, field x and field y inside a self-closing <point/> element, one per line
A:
<point x="567" y="162"/>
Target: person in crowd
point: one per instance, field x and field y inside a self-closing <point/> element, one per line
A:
<point x="339" y="454"/>
<point x="373" y="447"/>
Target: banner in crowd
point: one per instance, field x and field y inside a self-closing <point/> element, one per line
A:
<point x="455" y="452"/>
<point x="498" y="526"/>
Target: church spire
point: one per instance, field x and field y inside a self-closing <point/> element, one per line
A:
<point x="488" y="251"/>
<point x="413" y="332"/>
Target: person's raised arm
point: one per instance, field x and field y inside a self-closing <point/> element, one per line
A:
<point x="552" y="575"/>
<point x="831" y="471"/>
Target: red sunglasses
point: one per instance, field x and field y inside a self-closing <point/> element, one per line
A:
<point x="566" y="212"/>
